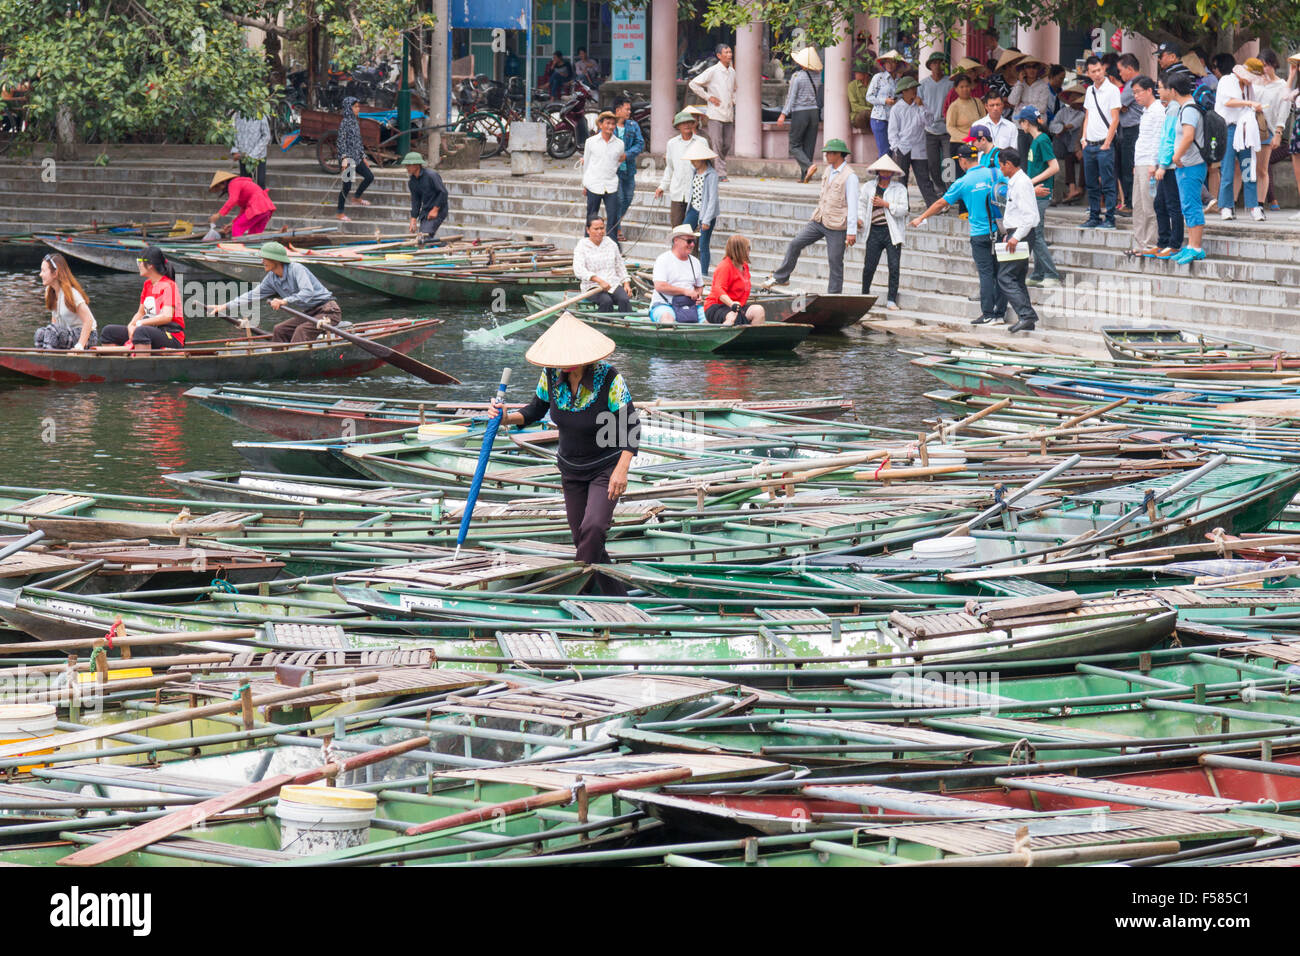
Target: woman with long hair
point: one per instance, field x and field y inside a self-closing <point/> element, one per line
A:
<point x="159" y="323"/>
<point x="730" y="288"/>
<point x="72" y="325"/>
<point x="1272" y="93"/>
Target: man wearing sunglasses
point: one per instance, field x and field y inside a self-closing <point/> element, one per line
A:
<point x="678" y="281"/>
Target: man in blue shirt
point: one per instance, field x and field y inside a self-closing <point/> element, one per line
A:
<point x="629" y="131"/>
<point x="975" y="189"/>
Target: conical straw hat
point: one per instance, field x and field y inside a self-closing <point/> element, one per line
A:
<point x="698" y="150"/>
<point x="219" y="178"/>
<point x="808" y="59"/>
<point x="1007" y="58"/>
<point x="569" y="342"/>
<point x="885" y="165"/>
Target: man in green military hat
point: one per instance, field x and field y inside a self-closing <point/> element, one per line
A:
<point x="835" y="219"/>
<point x="676" y="180"/>
<point x="288" y="283"/>
<point x="428" y="196"/>
<point x="859" y="108"/>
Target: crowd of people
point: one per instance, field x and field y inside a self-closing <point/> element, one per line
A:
<point x="998" y="143"/>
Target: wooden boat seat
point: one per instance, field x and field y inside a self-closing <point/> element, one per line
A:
<point x="890" y="733"/>
<point x="797" y="614"/>
<point x="1018" y="587"/>
<point x="161" y="781"/>
<point x="324" y="636"/>
<point x="1135" y="494"/>
<point x="222" y="518"/>
<point x="607" y="612"/>
<point x="355" y="405"/>
<point x="553" y="548"/>
<point x="913" y="691"/>
<point x="863" y="583"/>
<point x="530" y="646"/>
<point x="1114" y="791"/>
<point x="322" y="659"/>
<point x="578" y="704"/>
<point x="393" y="682"/>
<point x="52" y="503"/>
<point x="23" y="565"/>
<point x="523" y="473"/>
<point x="970" y="837"/>
<point x="1014" y="728"/>
<point x="910" y="801"/>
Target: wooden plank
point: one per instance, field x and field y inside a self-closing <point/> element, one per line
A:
<point x="1037" y="604"/>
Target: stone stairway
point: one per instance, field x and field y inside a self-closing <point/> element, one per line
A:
<point x="1246" y="289"/>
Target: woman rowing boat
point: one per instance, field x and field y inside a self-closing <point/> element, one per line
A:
<point x="159" y="323"/>
<point x="72" y="325"/>
<point x="599" y="428"/>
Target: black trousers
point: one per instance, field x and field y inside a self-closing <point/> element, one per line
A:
<point x="1011" y="283"/>
<point x="612" y="212"/>
<point x="878" y="241"/>
<point x="993" y="301"/>
<point x="936" y="151"/>
<point x="590" y="513"/>
<point x="803" y="138"/>
<point x="1169" y="213"/>
<point x="363" y="173"/>
<point x="150" y="335"/>
<point x="1126" y="140"/>
<point x="613" y="300"/>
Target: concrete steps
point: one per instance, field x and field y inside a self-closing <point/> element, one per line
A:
<point x="1246" y="289"/>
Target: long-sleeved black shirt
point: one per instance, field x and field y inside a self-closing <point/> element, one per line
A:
<point x="596" y="426"/>
<point x="427" y="192"/>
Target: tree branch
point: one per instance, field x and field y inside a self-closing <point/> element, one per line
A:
<point x="267" y="27"/>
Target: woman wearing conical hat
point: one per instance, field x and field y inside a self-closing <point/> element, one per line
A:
<point x="254" y="203"/>
<point x="599" y="428"/>
<point x="803" y="106"/>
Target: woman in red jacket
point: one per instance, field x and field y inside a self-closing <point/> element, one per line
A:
<point x="729" y="291"/>
<point x="255" y="206"/>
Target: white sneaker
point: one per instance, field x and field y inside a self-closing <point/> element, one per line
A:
<point x="1051" y="283"/>
<point x="891" y="305"/>
<point x="768" y="283"/>
<point x="1209" y="206"/>
<point x="1295" y="215"/>
<point x="1257" y="214"/>
<point x="1226" y="214"/>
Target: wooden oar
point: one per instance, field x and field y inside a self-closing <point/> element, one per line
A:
<point x="510" y="328"/>
<point x="393" y="357"/>
<point x="183" y="819"/>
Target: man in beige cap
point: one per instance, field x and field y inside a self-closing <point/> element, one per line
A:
<point x="803" y="105"/>
<point x="676" y="180"/>
<point x="834" y="220"/>
<point x="599" y="432"/>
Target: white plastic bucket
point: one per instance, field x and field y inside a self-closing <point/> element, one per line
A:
<point x="958" y="546"/>
<point x="321" y="819"/>
<point x="437" y="431"/>
<point x="20" y="722"/>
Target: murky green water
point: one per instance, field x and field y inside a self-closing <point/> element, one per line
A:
<point x="122" y="438"/>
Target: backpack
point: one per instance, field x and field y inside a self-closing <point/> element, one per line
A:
<point x="1213" y="139"/>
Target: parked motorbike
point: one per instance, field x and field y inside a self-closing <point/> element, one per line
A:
<point x="566" y="122"/>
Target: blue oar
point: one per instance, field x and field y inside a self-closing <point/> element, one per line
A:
<point x="489" y="436"/>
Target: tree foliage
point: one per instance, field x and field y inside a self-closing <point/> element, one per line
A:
<point x="143" y="70"/>
<point x="1215" y="25"/>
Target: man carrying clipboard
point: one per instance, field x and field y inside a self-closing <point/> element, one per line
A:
<point x="1018" y="223"/>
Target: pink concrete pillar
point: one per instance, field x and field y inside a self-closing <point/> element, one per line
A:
<point x="1043" y="42"/>
<point x="749" y="90"/>
<point x="958" y="45"/>
<point x="663" y="72"/>
<point x="835" y="114"/>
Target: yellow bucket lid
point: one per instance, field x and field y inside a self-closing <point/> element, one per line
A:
<point x="435" y="430"/>
<point x="335" y="797"/>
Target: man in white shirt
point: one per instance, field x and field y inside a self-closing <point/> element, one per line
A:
<point x="597" y="262"/>
<point x="1004" y="131"/>
<point x="717" y="87"/>
<point x="1146" y="149"/>
<point x="1101" y="104"/>
<point x="934" y="90"/>
<point x="1019" y="221"/>
<point x="677" y="175"/>
<point x="907" y="121"/>
<point x="601" y="156"/>
<point x="678" y="280"/>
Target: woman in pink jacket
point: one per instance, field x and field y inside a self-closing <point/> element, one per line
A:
<point x="255" y="206"/>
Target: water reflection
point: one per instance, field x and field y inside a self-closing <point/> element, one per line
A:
<point x="122" y="438"/>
